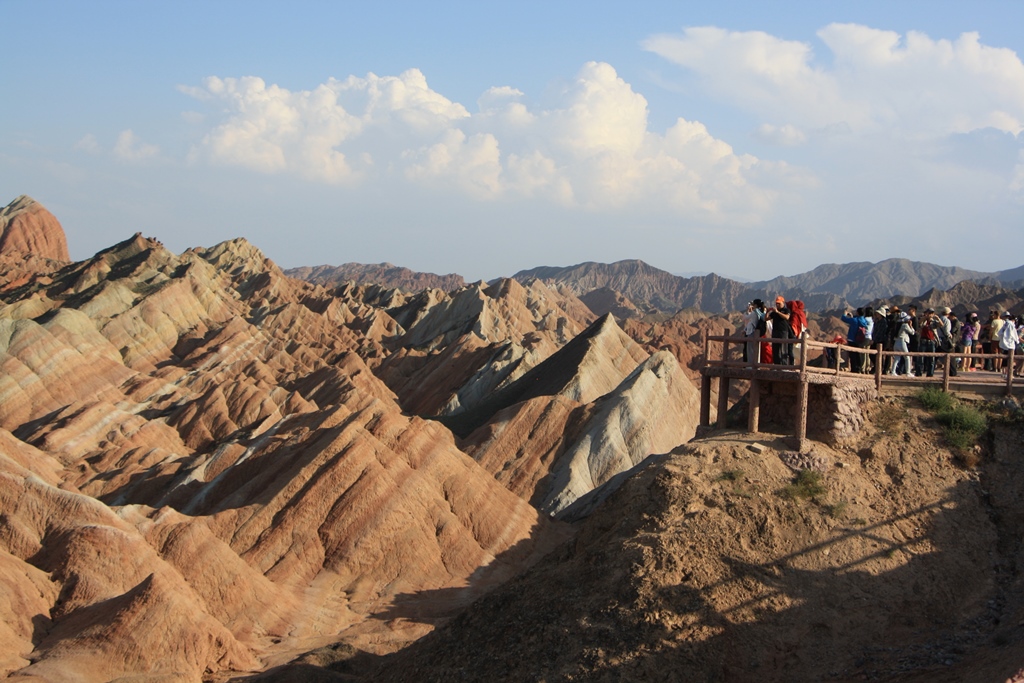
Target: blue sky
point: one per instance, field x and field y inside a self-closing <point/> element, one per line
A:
<point x="751" y="139"/>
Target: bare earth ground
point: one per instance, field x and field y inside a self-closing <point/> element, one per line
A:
<point x="905" y="568"/>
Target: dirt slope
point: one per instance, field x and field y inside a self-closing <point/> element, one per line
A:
<point x="697" y="569"/>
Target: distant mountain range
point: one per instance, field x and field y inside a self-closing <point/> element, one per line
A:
<point x="827" y="287"/>
<point x="633" y="285"/>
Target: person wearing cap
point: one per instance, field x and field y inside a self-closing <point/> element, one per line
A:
<point x="782" y="353"/>
<point x="969" y="332"/>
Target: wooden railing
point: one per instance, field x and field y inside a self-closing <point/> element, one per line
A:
<point x="732" y="346"/>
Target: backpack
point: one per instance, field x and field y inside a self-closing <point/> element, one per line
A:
<point x="945" y="341"/>
<point x="797" y="317"/>
<point x="861" y="335"/>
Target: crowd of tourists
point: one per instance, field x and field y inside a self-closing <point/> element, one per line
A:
<point x="907" y="333"/>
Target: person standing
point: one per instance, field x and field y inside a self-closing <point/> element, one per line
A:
<point x="1009" y="339"/>
<point x="990" y="339"/>
<point x="855" y="336"/>
<point x="901" y="364"/>
<point x="914" y="345"/>
<point x="969" y="332"/>
<point x="928" y="341"/>
<point x="944" y="336"/>
<point x="753" y="325"/>
<point x="880" y="333"/>
<point x="782" y="353"/>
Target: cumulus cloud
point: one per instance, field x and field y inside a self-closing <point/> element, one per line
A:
<point x="877" y="79"/>
<point x="130" y="148"/>
<point x="591" y="147"/>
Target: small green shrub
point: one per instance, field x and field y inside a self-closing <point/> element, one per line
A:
<point x="836" y="510"/>
<point x="807" y="484"/>
<point x="731" y="475"/>
<point x="962" y="425"/>
<point x="935" y="400"/>
<point x="963" y="419"/>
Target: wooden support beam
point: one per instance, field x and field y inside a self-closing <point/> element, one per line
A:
<point x="754" y="399"/>
<point x="723" y="400"/>
<point x="801" y="416"/>
<point x="705" y="400"/>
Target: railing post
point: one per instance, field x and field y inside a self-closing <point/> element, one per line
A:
<point x="707" y="347"/>
<point x="803" y="353"/>
<point x="878" y="368"/>
<point x="945" y="374"/>
<point x="839" y="357"/>
<point x="725" y="344"/>
<point x="801" y="415"/>
<point x="1009" y="372"/>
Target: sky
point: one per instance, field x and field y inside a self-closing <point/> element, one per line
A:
<point x="750" y="139"/>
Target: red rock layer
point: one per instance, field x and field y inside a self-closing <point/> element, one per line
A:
<point x="26" y="227"/>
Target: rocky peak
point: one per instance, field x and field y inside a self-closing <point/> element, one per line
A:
<point x="26" y="227"/>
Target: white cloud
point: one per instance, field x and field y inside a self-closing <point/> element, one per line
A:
<point x="130" y="148"/>
<point x="88" y="144"/>
<point x="784" y="136"/>
<point x="591" y="148"/>
<point x="498" y="97"/>
<point x="878" y="80"/>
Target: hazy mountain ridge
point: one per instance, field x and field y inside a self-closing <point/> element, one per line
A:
<point x="383" y="274"/>
<point x="862" y="281"/>
<point x="644" y="285"/>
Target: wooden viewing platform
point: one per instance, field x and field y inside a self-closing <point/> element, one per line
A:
<point x="728" y="364"/>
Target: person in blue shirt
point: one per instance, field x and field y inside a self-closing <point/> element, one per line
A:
<point x="858" y="335"/>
